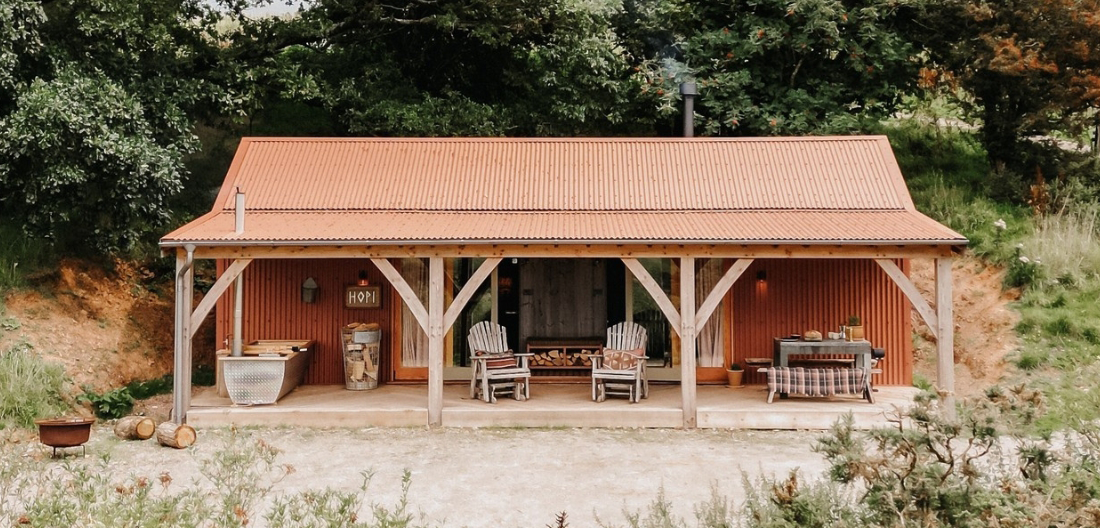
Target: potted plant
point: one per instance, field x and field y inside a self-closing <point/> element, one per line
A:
<point x="855" y="328"/>
<point x="734" y="374"/>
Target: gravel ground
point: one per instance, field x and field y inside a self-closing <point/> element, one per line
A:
<point x="501" y="477"/>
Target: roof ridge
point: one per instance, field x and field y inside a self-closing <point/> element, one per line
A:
<point x="600" y="139"/>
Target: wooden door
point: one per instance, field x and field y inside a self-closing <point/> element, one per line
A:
<point x="562" y="298"/>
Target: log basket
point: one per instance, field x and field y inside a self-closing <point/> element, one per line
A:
<point x="65" y="432"/>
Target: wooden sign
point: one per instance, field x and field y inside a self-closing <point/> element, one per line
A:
<point x="363" y="297"/>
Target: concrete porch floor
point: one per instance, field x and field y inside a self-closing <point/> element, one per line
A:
<point x="551" y="405"/>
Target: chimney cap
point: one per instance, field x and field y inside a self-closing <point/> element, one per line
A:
<point x="688" y="88"/>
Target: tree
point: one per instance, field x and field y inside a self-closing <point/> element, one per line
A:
<point x="1031" y="66"/>
<point x="441" y="68"/>
<point x="771" y="67"/>
<point x="98" y="99"/>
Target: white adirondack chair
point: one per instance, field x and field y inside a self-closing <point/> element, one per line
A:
<point x="496" y="368"/>
<point x="620" y="368"/>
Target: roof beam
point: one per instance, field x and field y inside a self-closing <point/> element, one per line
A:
<point x="216" y="291"/>
<point x="912" y="293"/>
<point x="715" y="296"/>
<point x="655" y="292"/>
<point x="738" y="251"/>
<point x="404" y="290"/>
<point x="468" y="291"/>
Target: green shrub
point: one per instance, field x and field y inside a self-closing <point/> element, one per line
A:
<point x="111" y="404"/>
<point x="922" y="382"/>
<point x="1059" y="326"/>
<point x="1023" y="271"/>
<point x="30" y="387"/>
<point x="141" y="390"/>
<point x="1092" y="335"/>
<point x="1029" y="361"/>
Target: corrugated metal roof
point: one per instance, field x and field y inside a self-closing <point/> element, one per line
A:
<point x="582" y="189"/>
<point x="447" y="174"/>
<point x="690" y="226"/>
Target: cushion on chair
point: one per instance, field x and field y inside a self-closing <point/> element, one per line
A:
<point x="508" y="361"/>
<point x="621" y="359"/>
<point x="499" y="363"/>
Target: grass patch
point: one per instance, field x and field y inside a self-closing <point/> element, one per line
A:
<point x="1029" y="360"/>
<point x="30" y="388"/>
<point x="19" y="255"/>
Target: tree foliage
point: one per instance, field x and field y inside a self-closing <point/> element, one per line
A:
<point x="1025" y="67"/>
<point x="98" y="99"/>
<point x="781" y="67"/>
<point x="468" y="67"/>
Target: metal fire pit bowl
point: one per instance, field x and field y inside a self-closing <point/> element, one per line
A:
<point x="65" y="432"/>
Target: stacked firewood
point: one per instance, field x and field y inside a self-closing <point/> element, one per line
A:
<point x="561" y="358"/>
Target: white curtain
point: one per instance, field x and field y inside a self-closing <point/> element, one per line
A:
<point x="709" y="337"/>
<point x="414" y="342"/>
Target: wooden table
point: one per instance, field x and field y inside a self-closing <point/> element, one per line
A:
<point x="784" y="348"/>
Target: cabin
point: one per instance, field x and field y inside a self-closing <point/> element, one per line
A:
<point x="715" y="246"/>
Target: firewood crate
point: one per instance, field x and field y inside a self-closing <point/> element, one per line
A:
<point x="361" y="343"/>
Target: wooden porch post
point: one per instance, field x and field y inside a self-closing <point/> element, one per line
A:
<point x="435" y="342"/>
<point x="181" y="379"/>
<point x="687" y="340"/>
<point x="945" y="336"/>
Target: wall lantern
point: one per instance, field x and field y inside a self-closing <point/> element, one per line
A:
<point x="309" y="291"/>
<point x="362" y="279"/>
<point x="761" y="276"/>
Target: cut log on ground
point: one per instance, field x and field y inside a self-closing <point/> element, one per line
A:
<point x="135" y="428"/>
<point x="178" y="436"/>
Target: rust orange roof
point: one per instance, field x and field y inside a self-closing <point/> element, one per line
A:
<point x="435" y="190"/>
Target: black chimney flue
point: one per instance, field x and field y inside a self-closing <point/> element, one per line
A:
<point x="688" y="90"/>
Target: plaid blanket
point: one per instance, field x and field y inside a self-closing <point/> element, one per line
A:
<point x="817" y="381"/>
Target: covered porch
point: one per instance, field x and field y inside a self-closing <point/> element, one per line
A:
<point x="685" y="202"/>
<point x="551" y="405"/>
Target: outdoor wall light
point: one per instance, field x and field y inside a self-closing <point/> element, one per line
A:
<point x="761" y="276"/>
<point x="309" y="291"/>
<point x="362" y="279"/>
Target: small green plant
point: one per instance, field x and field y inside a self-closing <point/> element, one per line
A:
<point x="1029" y="360"/>
<point x="109" y="405"/>
<point x="853" y="320"/>
<point x="1023" y="271"/>
<point x="119" y="402"/>
<point x="735" y="367"/>
<point x="922" y="383"/>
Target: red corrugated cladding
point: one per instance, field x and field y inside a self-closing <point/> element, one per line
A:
<point x="273" y="309"/>
<point x="797" y="295"/>
<point x="800" y="295"/>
